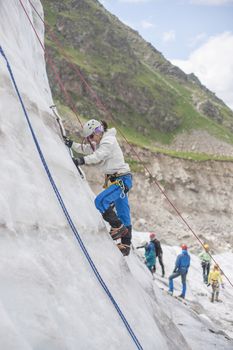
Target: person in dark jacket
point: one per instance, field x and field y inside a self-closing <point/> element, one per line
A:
<point x="181" y="269"/>
<point x="158" y="251"/>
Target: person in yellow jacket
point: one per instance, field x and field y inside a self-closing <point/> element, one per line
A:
<point x="215" y="279"/>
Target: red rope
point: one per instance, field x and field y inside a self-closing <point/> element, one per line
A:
<point x="102" y="106"/>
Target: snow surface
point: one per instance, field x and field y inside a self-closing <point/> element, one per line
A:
<point x="218" y="316"/>
<point x="50" y="298"/>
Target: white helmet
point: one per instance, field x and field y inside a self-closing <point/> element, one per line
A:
<point x="91" y="126"/>
<point x="144" y="243"/>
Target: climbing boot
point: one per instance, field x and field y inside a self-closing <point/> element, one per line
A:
<point x="124" y="248"/>
<point x="118" y="232"/>
<point x="153" y="269"/>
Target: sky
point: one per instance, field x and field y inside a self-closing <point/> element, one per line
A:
<point x="195" y="35"/>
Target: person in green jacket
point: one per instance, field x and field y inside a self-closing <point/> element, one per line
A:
<point x="205" y="262"/>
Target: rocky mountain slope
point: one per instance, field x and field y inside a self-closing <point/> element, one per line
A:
<point x="156" y="103"/>
<point x="145" y="93"/>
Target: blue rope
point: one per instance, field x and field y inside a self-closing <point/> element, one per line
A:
<point x="62" y="204"/>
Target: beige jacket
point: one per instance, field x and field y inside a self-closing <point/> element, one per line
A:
<point x="108" y="154"/>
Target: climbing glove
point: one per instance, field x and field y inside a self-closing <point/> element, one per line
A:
<point x="79" y="161"/>
<point x="68" y="142"/>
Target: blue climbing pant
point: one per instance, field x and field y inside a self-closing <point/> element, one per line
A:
<point x="115" y="194"/>
<point x="183" y="279"/>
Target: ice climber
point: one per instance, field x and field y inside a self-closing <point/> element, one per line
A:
<point x="181" y="269"/>
<point x="101" y="148"/>
<point x="215" y="279"/>
<point x="158" y="251"/>
<point x="205" y="262"/>
<point x="150" y="257"/>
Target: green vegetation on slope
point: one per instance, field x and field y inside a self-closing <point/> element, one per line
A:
<point x="137" y="140"/>
<point x="151" y="100"/>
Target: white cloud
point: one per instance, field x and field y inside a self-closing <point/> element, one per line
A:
<point x="211" y="2"/>
<point x="212" y="63"/>
<point x="197" y="39"/>
<point x="169" y="36"/>
<point x="147" y="25"/>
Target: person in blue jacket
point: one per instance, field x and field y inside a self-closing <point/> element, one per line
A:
<point x="181" y="269"/>
<point x="149" y="255"/>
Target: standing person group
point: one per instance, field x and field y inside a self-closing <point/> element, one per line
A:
<point x="101" y="147"/>
<point x="212" y="278"/>
<point x="181" y="266"/>
<point x="153" y="250"/>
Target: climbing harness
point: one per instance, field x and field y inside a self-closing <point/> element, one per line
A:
<point x="122" y="187"/>
<point x="66" y="213"/>
<point x="115" y="179"/>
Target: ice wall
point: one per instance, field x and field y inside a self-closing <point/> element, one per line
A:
<point x="49" y="296"/>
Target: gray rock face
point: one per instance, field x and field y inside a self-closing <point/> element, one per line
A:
<point x="211" y="111"/>
<point x="164" y="119"/>
<point x="201" y="191"/>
